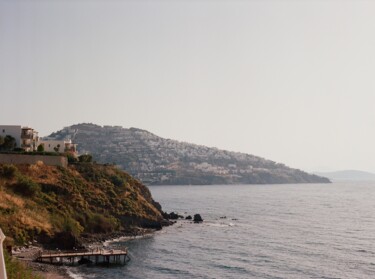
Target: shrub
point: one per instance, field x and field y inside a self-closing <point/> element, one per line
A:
<point x="85" y="158"/>
<point x="72" y="226"/>
<point x="40" y="148"/>
<point x="71" y="158"/>
<point x="25" y="186"/>
<point x="117" y="180"/>
<point x="16" y="269"/>
<point x="8" y="171"/>
<point x="65" y="224"/>
<point x="101" y="224"/>
<point x="9" y="143"/>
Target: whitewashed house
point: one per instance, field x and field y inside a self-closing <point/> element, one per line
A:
<point x="13" y="131"/>
<point x="29" y="139"/>
<point x="61" y="146"/>
<point x="25" y="137"/>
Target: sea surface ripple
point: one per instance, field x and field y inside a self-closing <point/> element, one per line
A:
<point x="270" y="231"/>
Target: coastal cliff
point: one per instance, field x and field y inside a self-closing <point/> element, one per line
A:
<point x="158" y="161"/>
<point x="60" y="207"/>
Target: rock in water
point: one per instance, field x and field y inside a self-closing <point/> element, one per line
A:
<point x="171" y="216"/>
<point x="188" y="217"/>
<point x="197" y="218"/>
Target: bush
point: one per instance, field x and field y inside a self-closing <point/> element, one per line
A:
<point x="16" y="269"/>
<point x="101" y="224"/>
<point x="25" y="186"/>
<point x="65" y="224"/>
<point x="85" y="158"/>
<point x="9" y="143"/>
<point x="8" y="171"/>
<point x="117" y="180"/>
<point x="71" y="158"/>
<point x="72" y="226"/>
<point x="40" y="148"/>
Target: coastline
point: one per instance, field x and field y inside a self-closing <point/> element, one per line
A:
<point x="46" y="271"/>
<point x="49" y="271"/>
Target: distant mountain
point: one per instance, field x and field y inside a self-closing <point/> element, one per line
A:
<point x="348" y="175"/>
<point x="158" y="161"/>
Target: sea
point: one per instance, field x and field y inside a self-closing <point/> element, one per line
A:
<point x="256" y="231"/>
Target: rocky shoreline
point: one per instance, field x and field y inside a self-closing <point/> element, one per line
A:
<point x="49" y="271"/>
<point x="28" y="254"/>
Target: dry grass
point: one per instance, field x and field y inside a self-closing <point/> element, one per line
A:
<point x="35" y="219"/>
<point x="40" y="173"/>
<point x="23" y="213"/>
<point x="65" y="196"/>
<point x="9" y="201"/>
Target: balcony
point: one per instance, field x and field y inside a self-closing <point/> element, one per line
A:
<point x="27" y="136"/>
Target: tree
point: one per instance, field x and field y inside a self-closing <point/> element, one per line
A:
<point x="40" y="148"/>
<point x="1" y="141"/>
<point x="9" y="143"/>
<point x="57" y="148"/>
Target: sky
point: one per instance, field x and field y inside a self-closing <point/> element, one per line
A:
<point x="290" y="81"/>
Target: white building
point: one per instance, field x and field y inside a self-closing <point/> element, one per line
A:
<point x="61" y="146"/>
<point x="11" y="130"/>
<point x="25" y="137"/>
<point x="29" y="139"/>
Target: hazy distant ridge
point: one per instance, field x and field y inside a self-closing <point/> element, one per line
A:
<point x="348" y="175"/>
<point x="156" y="160"/>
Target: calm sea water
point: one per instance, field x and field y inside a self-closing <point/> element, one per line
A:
<point x="270" y="231"/>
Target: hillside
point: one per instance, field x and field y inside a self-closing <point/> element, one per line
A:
<point x="155" y="160"/>
<point x="60" y="206"/>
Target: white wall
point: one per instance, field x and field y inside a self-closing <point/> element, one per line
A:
<point x="11" y="130"/>
<point x="49" y="145"/>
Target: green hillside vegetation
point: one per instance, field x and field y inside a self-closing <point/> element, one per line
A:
<point x="58" y="206"/>
<point x="17" y="269"/>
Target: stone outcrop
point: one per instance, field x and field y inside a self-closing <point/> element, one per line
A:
<point x="197" y="218"/>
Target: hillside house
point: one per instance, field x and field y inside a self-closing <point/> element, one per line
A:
<point x="61" y="146"/>
<point x="29" y="139"/>
<point x="25" y="137"/>
<point x="13" y="131"/>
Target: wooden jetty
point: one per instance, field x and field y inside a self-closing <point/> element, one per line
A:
<point x="94" y="256"/>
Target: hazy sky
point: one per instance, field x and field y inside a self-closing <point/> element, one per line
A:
<point x="291" y="81"/>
